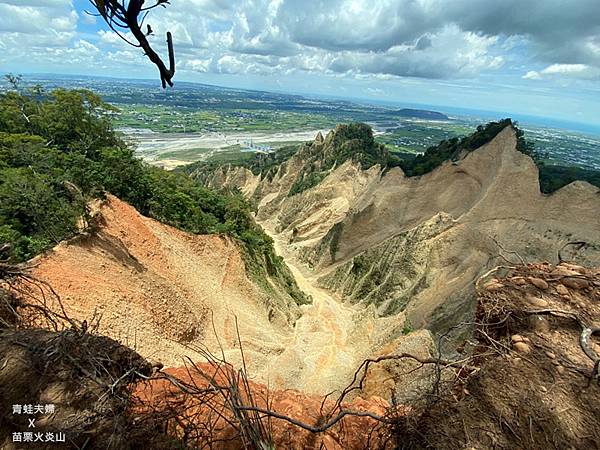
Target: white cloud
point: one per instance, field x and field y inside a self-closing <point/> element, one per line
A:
<point x="532" y="75"/>
<point x="565" y="72"/>
<point x="451" y="53"/>
<point x="359" y="38"/>
<point x="230" y="64"/>
<point x="109" y="37"/>
<point x="196" y="65"/>
<point x="35" y="29"/>
<point x="37" y="21"/>
<point x="375" y="91"/>
<point x="261" y="36"/>
<point x="566" y="69"/>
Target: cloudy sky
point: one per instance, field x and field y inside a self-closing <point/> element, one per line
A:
<point x="538" y="57"/>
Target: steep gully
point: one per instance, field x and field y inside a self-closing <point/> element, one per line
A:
<point x="330" y="339"/>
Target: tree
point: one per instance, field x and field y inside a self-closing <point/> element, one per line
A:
<point x="65" y="153"/>
<point x="122" y="15"/>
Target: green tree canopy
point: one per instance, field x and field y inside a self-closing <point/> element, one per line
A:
<point x="58" y="150"/>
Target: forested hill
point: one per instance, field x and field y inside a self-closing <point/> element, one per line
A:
<point x="58" y="151"/>
<point x="421" y="114"/>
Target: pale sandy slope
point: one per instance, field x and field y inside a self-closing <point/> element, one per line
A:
<point x="423" y="239"/>
<point x="160" y="289"/>
<point x="330" y="340"/>
<point x="491" y="194"/>
<point x="166" y="292"/>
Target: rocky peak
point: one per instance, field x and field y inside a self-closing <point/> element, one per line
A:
<point x="319" y="139"/>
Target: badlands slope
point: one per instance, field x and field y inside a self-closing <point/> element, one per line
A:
<point x="417" y="244"/>
<point x="168" y="294"/>
<point x="372" y="248"/>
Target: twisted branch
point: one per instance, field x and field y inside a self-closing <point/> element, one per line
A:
<point x="125" y="15"/>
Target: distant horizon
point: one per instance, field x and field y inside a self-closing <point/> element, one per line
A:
<point x="592" y="129"/>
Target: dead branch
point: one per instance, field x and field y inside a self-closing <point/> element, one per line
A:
<point x="32" y="297"/>
<point x="510" y="252"/>
<point x="129" y="15"/>
<point x="364" y="367"/>
<point x="489" y="272"/>
<point x="577" y="244"/>
<point x="224" y="394"/>
<point x="322" y="428"/>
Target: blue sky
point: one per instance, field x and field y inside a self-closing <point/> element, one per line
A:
<point x="537" y="57"/>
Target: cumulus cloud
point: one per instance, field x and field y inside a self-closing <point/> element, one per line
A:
<point x="31" y="29"/>
<point x="196" y="65"/>
<point x="50" y="23"/>
<point x="566" y="69"/>
<point x="558" y="30"/>
<point x="375" y="91"/>
<point x="572" y="71"/>
<point x="532" y="75"/>
<point x="356" y="25"/>
<point x="421" y="38"/>
<point x="358" y="38"/>
<point x="451" y="53"/>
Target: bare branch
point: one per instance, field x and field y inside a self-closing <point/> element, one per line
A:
<point x="511" y="252"/>
<point x="322" y="428"/>
<point x="489" y="272"/>
<point x="586" y="330"/>
<point x="130" y="15"/>
<point x="577" y="244"/>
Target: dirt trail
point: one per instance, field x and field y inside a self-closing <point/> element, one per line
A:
<point x="330" y="339"/>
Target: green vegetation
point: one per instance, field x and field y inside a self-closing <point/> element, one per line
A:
<point x="51" y="153"/>
<point x="192" y="120"/>
<point x="448" y="150"/>
<point x="187" y="155"/>
<point x="407" y="328"/>
<point x="353" y="141"/>
<point x="336" y="235"/>
<point x="228" y="155"/>
<point x="58" y="150"/>
<point x="409" y="143"/>
<point x="207" y="107"/>
<point x="262" y="164"/>
<point x="415" y="137"/>
<point x="552" y="178"/>
<point x="356" y="141"/>
<point x="525" y="146"/>
<point x="305" y="183"/>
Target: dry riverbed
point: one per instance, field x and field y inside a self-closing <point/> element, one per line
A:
<point x="170" y="150"/>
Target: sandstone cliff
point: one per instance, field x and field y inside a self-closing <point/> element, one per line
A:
<point x="416" y="244"/>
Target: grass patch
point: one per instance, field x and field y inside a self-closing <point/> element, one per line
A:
<point x="258" y="164"/>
